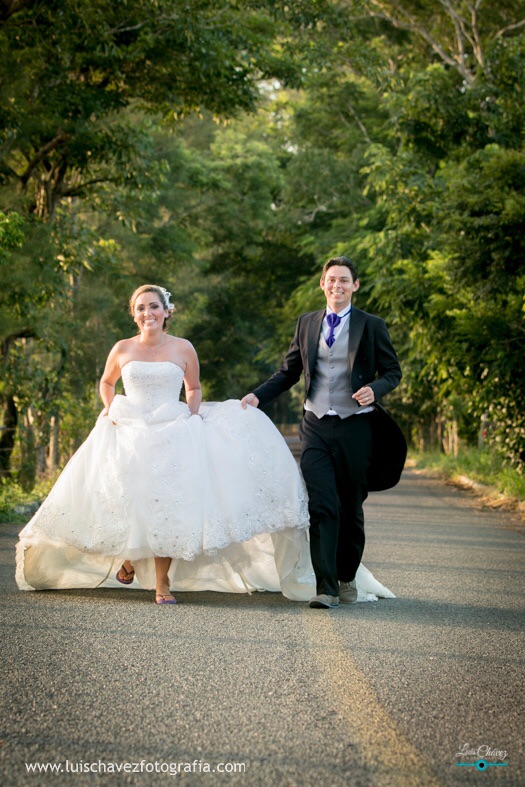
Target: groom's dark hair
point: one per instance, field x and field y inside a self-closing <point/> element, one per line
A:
<point x="341" y="261"/>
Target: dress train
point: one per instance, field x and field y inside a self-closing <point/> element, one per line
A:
<point x="220" y="494"/>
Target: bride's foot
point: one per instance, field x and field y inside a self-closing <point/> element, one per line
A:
<point x="165" y="598"/>
<point x="126" y="573"/>
<point x="162" y="582"/>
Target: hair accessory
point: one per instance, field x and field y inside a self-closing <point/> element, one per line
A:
<point x="167" y="295"/>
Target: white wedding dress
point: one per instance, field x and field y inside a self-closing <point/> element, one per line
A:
<point x="221" y="495"/>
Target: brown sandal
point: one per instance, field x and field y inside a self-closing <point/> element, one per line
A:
<point x="125" y="577"/>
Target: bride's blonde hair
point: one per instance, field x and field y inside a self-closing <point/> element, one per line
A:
<point x="163" y="294"/>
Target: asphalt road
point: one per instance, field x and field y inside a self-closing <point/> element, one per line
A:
<point x="387" y="693"/>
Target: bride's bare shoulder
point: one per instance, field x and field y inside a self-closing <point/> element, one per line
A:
<point x="124" y="344"/>
<point x="182" y="344"/>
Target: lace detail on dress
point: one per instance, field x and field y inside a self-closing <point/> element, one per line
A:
<point x="151" y="480"/>
<point x="244" y="478"/>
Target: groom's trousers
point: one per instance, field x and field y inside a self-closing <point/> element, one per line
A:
<point x="335" y="456"/>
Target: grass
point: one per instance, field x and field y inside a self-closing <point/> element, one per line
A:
<point x="15" y="502"/>
<point x="484" y="467"/>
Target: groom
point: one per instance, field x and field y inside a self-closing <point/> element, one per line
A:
<point x="350" y="445"/>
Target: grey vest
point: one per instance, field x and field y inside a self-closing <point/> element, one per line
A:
<point x="331" y="388"/>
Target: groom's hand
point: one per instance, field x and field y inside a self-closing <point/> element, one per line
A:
<point x="249" y="399"/>
<point x="365" y="396"/>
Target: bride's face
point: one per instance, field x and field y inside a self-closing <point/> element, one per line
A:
<point x="149" y="312"/>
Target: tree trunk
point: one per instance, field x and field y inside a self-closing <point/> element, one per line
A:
<point x="450" y="438"/>
<point x="439" y="431"/>
<point x="7" y="435"/>
<point x="28" y="457"/>
<point x="53" y="457"/>
<point x="40" y="463"/>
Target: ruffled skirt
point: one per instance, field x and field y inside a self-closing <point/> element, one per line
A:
<point x="221" y="495"/>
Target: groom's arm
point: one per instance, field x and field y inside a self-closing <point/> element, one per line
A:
<point x="387" y="368"/>
<point x="283" y="379"/>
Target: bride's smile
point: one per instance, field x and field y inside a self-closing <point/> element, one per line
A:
<point x="149" y="312"/>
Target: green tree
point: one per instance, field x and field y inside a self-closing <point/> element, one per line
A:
<point x="435" y="228"/>
<point x="83" y="89"/>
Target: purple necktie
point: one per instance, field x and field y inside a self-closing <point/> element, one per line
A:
<point x="333" y="321"/>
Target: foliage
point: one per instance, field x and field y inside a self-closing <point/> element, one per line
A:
<point x="226" y="150"/>
<point x="71" y="68"/>
<point x="433" y="207"/>
<point x="91" y="95"/>
<point x="484" y="467"/>
<point x="17" y="503"/>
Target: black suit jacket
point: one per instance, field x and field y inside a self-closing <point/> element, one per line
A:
<point x="372" y="361"/>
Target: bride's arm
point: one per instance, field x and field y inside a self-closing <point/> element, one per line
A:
<point x="109" y="378"/>
<point x="192" y="384"/>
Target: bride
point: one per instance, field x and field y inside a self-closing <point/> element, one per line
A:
<point x="179" y="496"/>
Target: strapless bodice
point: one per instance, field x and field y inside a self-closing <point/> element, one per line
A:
<point x="148" y="385"/>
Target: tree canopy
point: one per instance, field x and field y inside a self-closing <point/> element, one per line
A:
<point x="225" y="150"/>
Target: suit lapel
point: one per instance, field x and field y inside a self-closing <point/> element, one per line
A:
<point x="357" y="324"/>
<point x="312" y="337"/>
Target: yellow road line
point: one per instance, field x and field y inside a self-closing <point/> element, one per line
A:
<point x="390" y="757"/>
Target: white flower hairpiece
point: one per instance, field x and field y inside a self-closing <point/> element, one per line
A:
<point x="167" y="295"/>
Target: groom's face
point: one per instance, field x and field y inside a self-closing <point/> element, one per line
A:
<point x="338" y="286"/>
